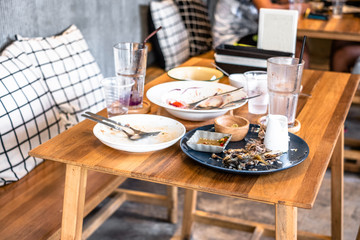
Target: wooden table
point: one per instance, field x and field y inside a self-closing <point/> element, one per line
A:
<point x="345" y="28"/>
<point x="322" y="117"/>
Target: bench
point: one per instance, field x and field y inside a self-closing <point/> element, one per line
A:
<point x="32" y="207"/>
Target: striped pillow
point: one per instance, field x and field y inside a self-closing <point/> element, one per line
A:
<point x="172" y="39"/>
<point x="196" y="19"/>
<point x="27" y="116"/>
<point x="69" y="71"/>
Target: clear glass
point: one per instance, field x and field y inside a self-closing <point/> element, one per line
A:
<point x="117" y="91"/>
<point x="284" y="83"/>
<point x="296" y="5"/>
<point x="256" y="82"/>
<point x="130" y="62"/>
<point x="337" y="8"/>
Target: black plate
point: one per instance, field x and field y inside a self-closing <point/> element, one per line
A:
<point x="298" y="152"/>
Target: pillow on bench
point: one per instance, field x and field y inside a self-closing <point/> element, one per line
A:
<point x="195" y="16"/>
<point x="27" y="116"/>
<point x="69" y="71"/>
<point x="172" y="41"/>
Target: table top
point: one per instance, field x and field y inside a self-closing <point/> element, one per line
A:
<point x="345" y="28"/>
<point x="322" y="117"/>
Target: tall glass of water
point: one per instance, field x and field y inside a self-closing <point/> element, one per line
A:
<point x="284" y="83"/>
<point x="130" y="62"/>
<point x="256" y="83"/>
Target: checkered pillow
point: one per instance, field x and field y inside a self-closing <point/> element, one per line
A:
<point x="196" y="19"/>
<point x="173" y="38"/>
<point x="27" y="116"/>
<point x="69" y="70"/>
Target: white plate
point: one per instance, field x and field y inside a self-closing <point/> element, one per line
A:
<point x="188" y="92"/>
<point x="195" y="73"/>
<point x="171" y="132"/>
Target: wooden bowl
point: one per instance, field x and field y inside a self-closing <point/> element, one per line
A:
<point x="237" y="126"/>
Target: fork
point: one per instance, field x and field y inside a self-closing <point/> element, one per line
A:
<point x="229" y="103"/>
<point x="137" y="134"/>
<point x="193" y="105"/>
<point x="136" y="131"/>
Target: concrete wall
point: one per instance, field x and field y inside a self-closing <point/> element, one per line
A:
<point x="102" y="22"/>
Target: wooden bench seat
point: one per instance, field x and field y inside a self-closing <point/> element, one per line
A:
<point x="32" y="207"/>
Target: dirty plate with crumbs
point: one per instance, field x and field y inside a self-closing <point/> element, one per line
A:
<point x="171" y="132"/>
<point x="298" y="152"/>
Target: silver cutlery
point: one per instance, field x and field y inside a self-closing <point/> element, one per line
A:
<point x="136" y="135"/>
<point x="222" y="70"/>
<point x="229" y="103"/>
<point x="194" y="105"/>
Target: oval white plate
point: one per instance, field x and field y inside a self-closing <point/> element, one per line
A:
<point x="195" y="73"/>
<point x="171" y="132"/>
<point x="161" y="93"/>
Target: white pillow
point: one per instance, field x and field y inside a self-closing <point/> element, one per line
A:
<point x="194" y="14"/>
<point x="173" y="38"/>
<point x="27" y="116"/>
<point x="69" y="71"/>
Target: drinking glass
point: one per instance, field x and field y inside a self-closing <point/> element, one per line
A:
<point x="284" y="83"/>
<point x="256" y="82"/>
<point x="337" y="8"/>
<point x="296" y="5"/>
<point x="130" y="62"/>
<point x="117" y="91"/>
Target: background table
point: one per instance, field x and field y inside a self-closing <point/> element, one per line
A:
<point x="345" y="28"/>
<point x="322" y="117"/>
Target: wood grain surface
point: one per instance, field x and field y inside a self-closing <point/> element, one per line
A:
<point x="345" y="28"/>
<point x="322" y="116"/>
<point x="35" y="191"/>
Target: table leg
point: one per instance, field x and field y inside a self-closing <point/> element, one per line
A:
<point x="286" y="222"/>
<point x="74" y="201"/>
<point x="188" y="213"/>
<point x="172" y="196"/>
<point x="337" y="188"/>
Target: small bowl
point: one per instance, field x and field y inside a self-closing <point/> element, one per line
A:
<point x="237" y="126"/>
<point x="238" y="80"/>
<point x="195" y="74"/>
<point x="193" y="141"/>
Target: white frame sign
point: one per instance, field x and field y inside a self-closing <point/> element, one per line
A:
<point x="277" y="29"/>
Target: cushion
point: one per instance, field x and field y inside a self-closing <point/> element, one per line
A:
<point x="69" y="71"/>
<point x="173" y="40"/>
<point x="233" y="21"/>
<point x="27" y="116"/>
<point x="196" y="19"/>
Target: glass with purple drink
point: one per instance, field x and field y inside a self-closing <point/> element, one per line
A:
<point x="117" y="91"/>
<point x="130" y="63"/>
